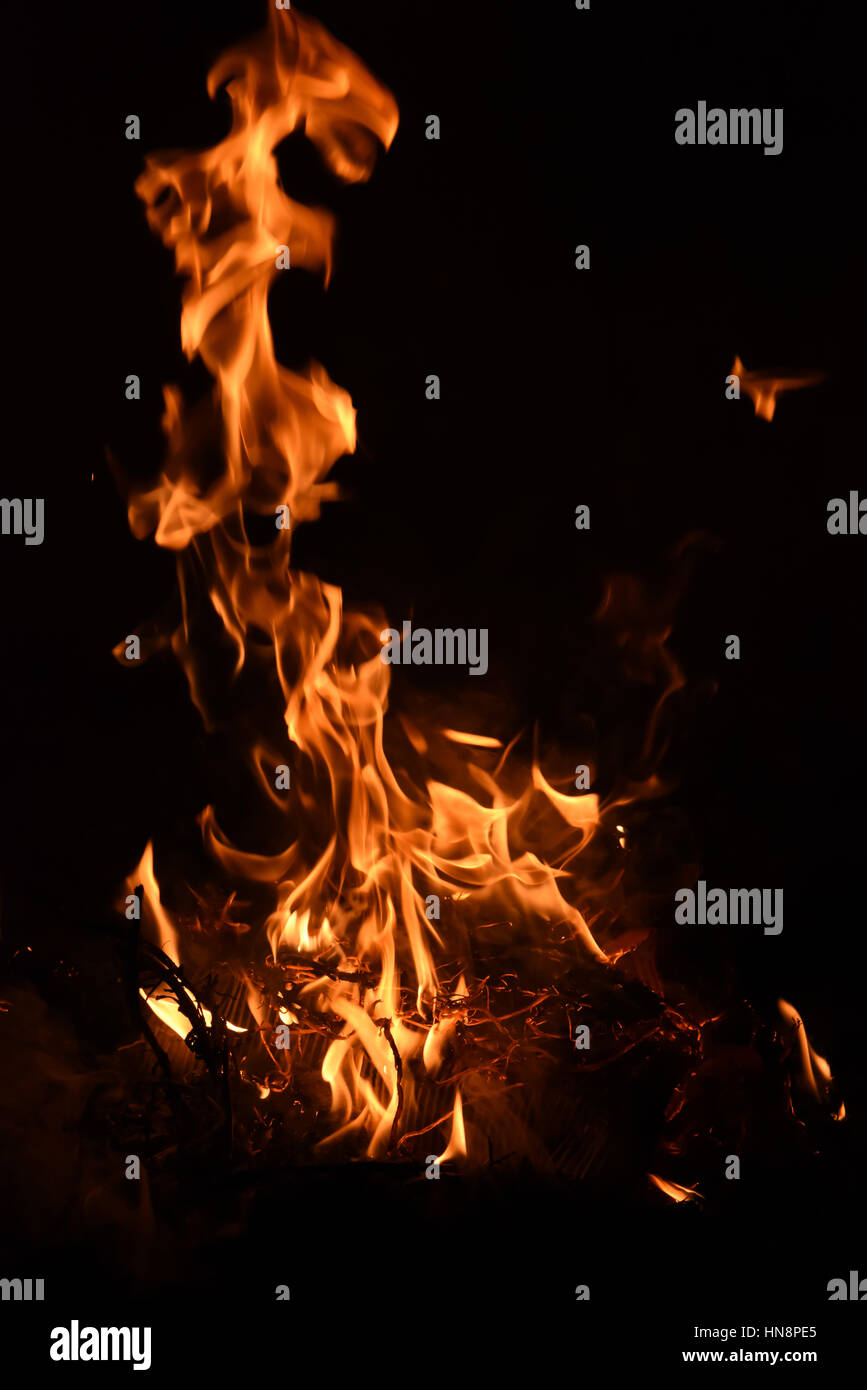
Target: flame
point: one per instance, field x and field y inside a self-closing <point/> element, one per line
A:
<point x="457" y="1145"/>
<point x="226" y="217"/>
<point x="168" y="1010"/>
<point x="674" y="1190"/>
<point x="162" y="999"/>
<point x="763" y="387"/>
<point x="811" y="1062"/>
<point x="166" y="934"/>
<point x="472" y="740"/>
<point x="387" y="875"/>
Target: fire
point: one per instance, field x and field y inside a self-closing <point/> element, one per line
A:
<point x="226" y="217"/>
<point x="815" y="1070"/>
<point x="356" y="930"/>
<point x="763" y="387"/>
<point x="405" y="853"/>
<point x="163" y="999"/>
<point x="674" y="1190"/>
<point x="457" y="1145"/>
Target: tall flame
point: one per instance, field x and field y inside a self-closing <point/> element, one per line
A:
<point x="381" y="983"/>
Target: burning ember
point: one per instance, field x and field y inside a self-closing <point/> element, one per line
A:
<point x="404" y="934"/>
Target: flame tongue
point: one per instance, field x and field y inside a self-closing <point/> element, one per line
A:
<point x="384" y="878"/>
<point x="225" y="216"/>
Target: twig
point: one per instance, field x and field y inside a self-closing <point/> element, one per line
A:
<point x="385" y="1025"/>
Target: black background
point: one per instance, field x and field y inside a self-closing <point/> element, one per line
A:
<point x="559" y="387"/>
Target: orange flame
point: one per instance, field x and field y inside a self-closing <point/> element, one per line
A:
<point x="163" y="1000"/>
<point x="457" y="1145"/>
<point x="811" y="1062"/>
<point x="674" y="1190"/>
<point x="764" y="387"/>
<point x="372" y="854"/>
